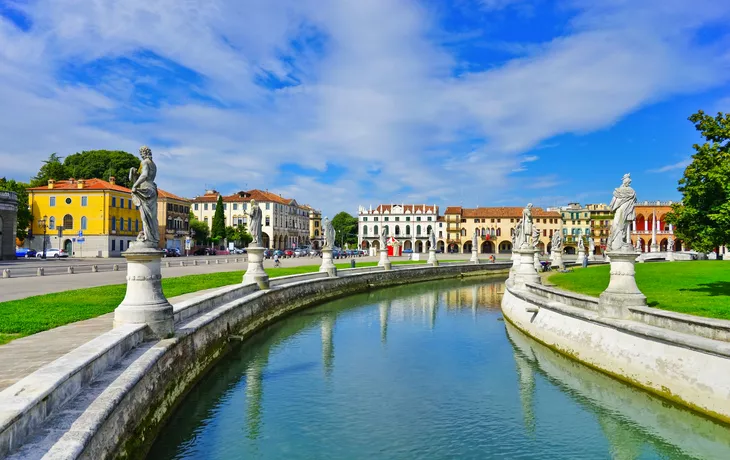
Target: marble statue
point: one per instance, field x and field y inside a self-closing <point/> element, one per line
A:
<point x="622" y="205"/>
<point x="638" y="244"/>
<point x="475" y="240"/>
<point x="557" y="243"/>
<point x="535" y="237"/>
<point x="329" y="234"/>
<point x="144" y="196"/>
<point x="579" y="242"/>
<point x="591" y="245"/>
<point x="382" y="239"/>
<point x="254" y="226"/>
<point x="525" y="228"/>
<point x="432" y="239"/>
<point x="670" y="244"/>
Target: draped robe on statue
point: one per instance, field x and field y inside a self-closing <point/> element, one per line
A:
<point x="622" y="205"/>
<point x="144" y="196"/>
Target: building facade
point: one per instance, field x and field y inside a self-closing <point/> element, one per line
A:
<point x="495" y="226"/>
<point x="173" y="218"/>
<point x="286" y="224"/>
<point x="651" y="215"/>
<point x="409" y="224"/>
<point x="8" y="224"/>
<point x="601" y="219"/>
<point x="316" y="239"/>
<point x="99" y="211"/>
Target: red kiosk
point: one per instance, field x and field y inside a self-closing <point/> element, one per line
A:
<point x="394" y="247"/>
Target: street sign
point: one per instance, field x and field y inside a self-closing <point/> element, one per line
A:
<point x="81" y="233"/>
<point x="80" y="239"/>
<point x="187" y="244"/>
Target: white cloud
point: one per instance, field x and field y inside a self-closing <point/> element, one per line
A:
<point x="672" y="167"/>
<point x="376" y="92"/>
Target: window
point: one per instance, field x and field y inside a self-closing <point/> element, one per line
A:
<point x="130" y="203"/>
<point x="544" y="232"/>
<point x="316" y="233"/>
<point x="418" y="218"/>
<point x="169" y="206"/>
<point x="268" y="222"/>
<point x="121" y="224"/>
<point x="499" y="232"/>
<point x="214" y="205"/>
<point x="476" y="221"/>
<point x="52" y="223"/>
<point x="114" y="224"/>
<point x="397" y="218"/>
<point x="129" y="224"/>
<point x="136" y="225"/>
<point x="430" y="218"/>
<point x="114" y="202"/>
<point x="52" y="201"/>
<point x="225" y="206"/>
<point x="364" y="219"/>
<point x="387" y="229"/>
<point x="268" y="206"/>
<point x="364" y="229"/>
<point x="195" y="206"/>
<point x="408" y="218"/>
<point x="121" y="203"/>
<point x="205" y="206"/>
<point x="408" y="229"/>
<point x="121" y="245"/>
<point x="316" y="224"/>
<point x="235" y="206"/>
<point x="68" y="222"/>
<point x="244" y="206"/>
<point x="114" y="245"/>
<point x="387" y="218"/>
<point x="68" y="200"/>
<point x="397" y="230"/>
<point x="83" y="222"/>
<point x="205" y="219"/>
<point x="375" y="218"/>
<point x="418" y="229"/>
<point x="375" y="230"/>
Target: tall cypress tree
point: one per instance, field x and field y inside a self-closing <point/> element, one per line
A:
<point x="218" y="227"/>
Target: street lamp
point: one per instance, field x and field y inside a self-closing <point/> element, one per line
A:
<point x="42" y="224"/>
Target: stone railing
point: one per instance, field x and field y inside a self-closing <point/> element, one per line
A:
<point x="108" y="397"/>
<point x="11" y="196"/>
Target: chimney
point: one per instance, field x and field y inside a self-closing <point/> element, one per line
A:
<point x="51" y="183"/>
<point x="112" y="180"/>
<point x="81" y="183"/>
<point x="71" y="179"/>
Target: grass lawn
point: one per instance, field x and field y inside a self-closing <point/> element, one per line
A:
<point x="699" y="287"/>
<point x="22" y="317"/>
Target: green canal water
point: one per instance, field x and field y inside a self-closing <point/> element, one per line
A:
<point x="426" y="371"/>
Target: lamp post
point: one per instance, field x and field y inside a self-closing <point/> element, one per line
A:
<point x="42" y="224"/>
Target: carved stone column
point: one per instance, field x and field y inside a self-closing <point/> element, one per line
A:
<point x="327" y="263"/>
<point x="515" y="265"/>
<point x="622" y="291"/>
<point x="255" y="273"/>
<point x="432" y="257"/>
<point x="384" y="261"/>
<point x="144" y="301"/>
<point x="525" y="272"/>
<point x="474" y="255"/>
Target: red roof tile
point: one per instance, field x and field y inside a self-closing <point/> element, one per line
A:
<point x="413" y="208"/>
<point x="89" y="184"/>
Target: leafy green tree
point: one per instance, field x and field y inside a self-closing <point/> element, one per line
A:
<point x="24" y="213"/>
<point x="101" y="164"/>
<point x="200" y="229"/>
<point x="218" y="227"/>
<point x="345" y="227"/>
<point x="239" y="235"/>
<point x="702" y="219"/>
<point x="52" y="169"/>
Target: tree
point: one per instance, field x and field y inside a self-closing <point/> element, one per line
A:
<point x="52" y="169"/>
<point x="24" y="213"/>
<point x="345" y="227"/>
<point x="200" y="229"/>
<point x="702" y="219"/>
<point x="101" y="164"/>
<point x="218" y="227"/>
<point x="239" y="235"/>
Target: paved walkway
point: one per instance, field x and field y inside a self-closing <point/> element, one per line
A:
<point x="24" y="356"/>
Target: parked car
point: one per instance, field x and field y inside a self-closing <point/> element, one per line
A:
<point x="299" y="252"/>
<point x="408" y="251"/>
<point x="288" y="253"/>
<point x="53" y="252"/>
<point x="268" y="253"/>
<point x="239" y="251"/>
<point x="278" y="252"/>
<point x="170" y="252"/>
<point x="25" y="252"/>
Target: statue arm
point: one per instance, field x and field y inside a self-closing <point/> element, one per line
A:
<point x="143" y="175"/>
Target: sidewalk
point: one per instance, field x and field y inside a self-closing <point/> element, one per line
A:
<point x="24" y="356"/>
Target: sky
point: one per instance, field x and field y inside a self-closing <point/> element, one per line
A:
<point x="340" y="103"/>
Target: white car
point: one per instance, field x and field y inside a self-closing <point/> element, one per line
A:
<point x="53" y="252"/>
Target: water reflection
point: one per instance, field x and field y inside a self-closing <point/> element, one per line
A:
<point x="630" y="419"/>
<point x="372" y="376"/>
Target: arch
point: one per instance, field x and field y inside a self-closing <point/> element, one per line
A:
<point x="364" y="230"/>
<point x="376" y="245"/>
<point x="365" y="245"/>
<point x="428" y="230"/>
<point x="397" y="229"/>
<point x="640" y="223"/>
<point x="569" y="250"/>
<point x="663" y="245"/>
<point x="440" y="246"/>
<point x="487" y="247"/>
<point x="467" y="247"/>
<point x="418" y="230"/>
<point x="408" y="229"/>
<point x="505" y="246"/>
<point x="453" y="247"/>
<point x="679" y="245"/>
<point x="51" y="223"/>
<point x="266" y="239"/>
<point x="68" y="222"/>
<point x="375" y="230"/>
<point x="68" y="246"/>
<point x="407" y="245"/>
<point x="663" y="223"/>
<point x="463" y="232"/>
<point x="419" y="246"/>
<point x="550" y="248"/>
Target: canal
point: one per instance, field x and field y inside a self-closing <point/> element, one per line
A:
<point x="422" y="371"/>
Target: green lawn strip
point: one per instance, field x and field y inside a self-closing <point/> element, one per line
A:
<point x="22" y="317"/>
<point x="700" y="288"/>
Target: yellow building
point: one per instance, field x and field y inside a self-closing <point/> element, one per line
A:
<point x="101" y="211"/>
<point x="316" y="239"/>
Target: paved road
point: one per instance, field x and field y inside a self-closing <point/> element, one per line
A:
<point x="26" y="286"/>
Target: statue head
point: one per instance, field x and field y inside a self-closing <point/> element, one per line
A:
<point x="626" y="180"/>
<point x="529" y="205"/>
<point x="145" y="152"/>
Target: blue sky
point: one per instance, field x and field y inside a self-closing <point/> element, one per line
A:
<point x="340" y="103"/>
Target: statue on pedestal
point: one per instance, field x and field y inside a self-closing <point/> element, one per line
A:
<point x="535" y="237"/>
<point x="254" y="226"/>
<point x="382" y="240"/>
<point x="524" y="229"/>
<point x="329" y="234"/>
<point x="144" y="196"/>
<point x="670" y="244"/>
<point x="557" y="243"/>
<point x="432" y="239"/>
<point x="622" y="205"/>
<point x="579" y="242"/>
<point x="591" y="245"/>
<point x="475" y="240"/>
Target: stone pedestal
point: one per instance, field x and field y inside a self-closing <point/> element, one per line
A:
<point x="557" y="260"/>
<point x="670" y="257"/>
<point x="515" y="265"/>
<point x="654" y="248"/>
<point x="525" y="272"/>
<point x="384" y="261"/>
<point x="327" y="264"/>
<point x="474" y="256"/>
<point x="536" y="262"/>
<point x="432" y="257"/>
<point x="581" y="256"/>
<point x="255" y="273"/>
<point x="591" y="257"/>
<point x="144" y="302"/>
<point x="622" y="291"/>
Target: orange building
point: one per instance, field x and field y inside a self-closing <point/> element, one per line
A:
<point x="650" y="215"/>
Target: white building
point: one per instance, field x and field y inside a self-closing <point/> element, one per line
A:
<point x="405" y="222"/>
<point x="285" y="223"/>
